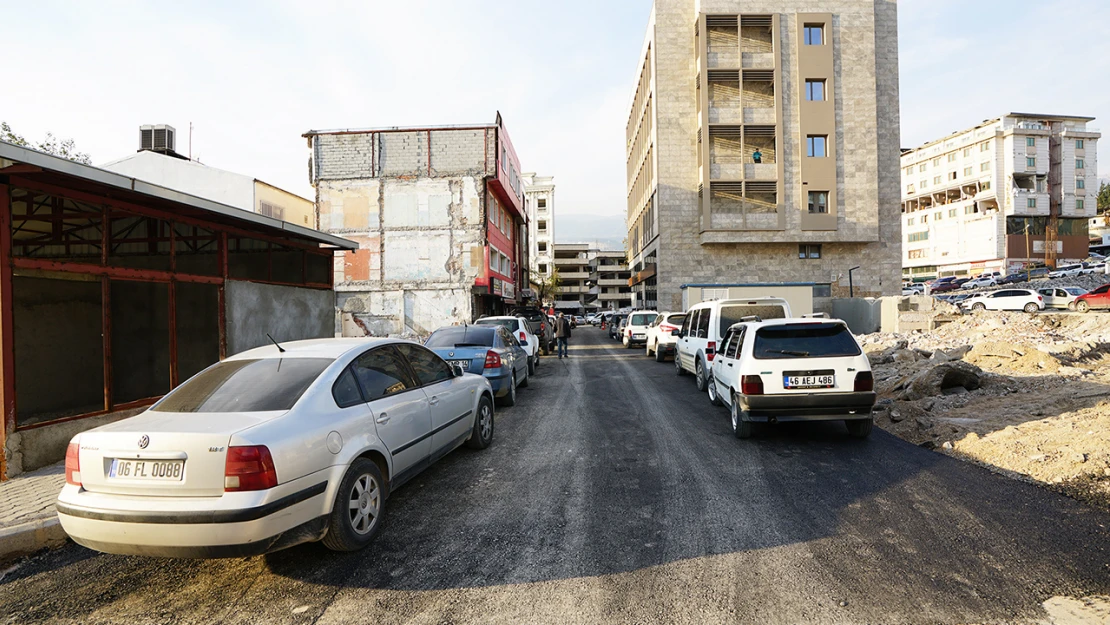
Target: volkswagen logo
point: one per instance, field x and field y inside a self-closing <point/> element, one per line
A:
<point x="144" y="441"/>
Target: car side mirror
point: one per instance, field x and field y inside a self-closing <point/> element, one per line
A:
<point x="457" y="369"/>
<point x="678" y="334"/>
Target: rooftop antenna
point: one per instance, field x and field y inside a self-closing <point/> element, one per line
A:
<point x="280" y="348"/>
<point x="191" y="144"/>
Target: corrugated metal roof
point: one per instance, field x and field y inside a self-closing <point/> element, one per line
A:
<point x="89" y="173"/>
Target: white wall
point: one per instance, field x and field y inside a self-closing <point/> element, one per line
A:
<point x="196" y="179"/>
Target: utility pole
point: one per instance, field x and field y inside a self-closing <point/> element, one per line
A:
<point x="190" y="141"/>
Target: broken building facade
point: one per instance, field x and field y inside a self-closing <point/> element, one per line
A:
<point x="438" y="213"/>
<point x="113" y="291"/>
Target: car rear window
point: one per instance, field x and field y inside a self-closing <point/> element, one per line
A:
<point x="245" y="386"/>
<point x="642" y="319"/>
<point x="735" y="314"/>
<point x="809" y="340"/>
<point x="676" y="320"/>
<point x="461" y="336"/>
<point x="509" y="324"/>
<point x="531" y="314"/>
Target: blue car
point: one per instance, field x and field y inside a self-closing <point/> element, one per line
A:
<point x="491" y="352"/>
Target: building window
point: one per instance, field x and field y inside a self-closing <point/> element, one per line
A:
<point x="1031" y="142"/>
<point x="924" y="184"/>
<point x="970" y="210"/>
<point x="951" y="175"/>
<point x="985" y="166"/>
<point x="921" y="167"/>
<point x="1080" y="183"/>
<point x="951" y="212"/>
<point x="924" y="219"/>
<point x="1031" y="202"/>
<point x="1079" y="205"/>
<point x="910" y="221"/>
<point x="818" y="202"/>
<point x="952" y="157"/>
<point x="914" y="237"/>
<point x="541" y="226"/>
<point x="936" y="162"/>
<point x="967" y="171"/>
<point x="967" y="152"/>
<point x="984" y="146"/>
<point x="1079" y="144"/>
<point x="1079" y="164"/>
<point x="815" y="90"/>
<point x="814" y="34"/>
<point x="543" y="267"/>
<point x="936" y="179"/>
<point x="815" y="145"/>
<point x="542" y="246"/>
<point x="822" y="290"/>
<point x="494" y="259"/>
<point x="916" y="254"/>
<point x="809" y="251"/>
<point x="541" y="203"/>
<point x="938" y="216"/>
<point x="985" y="185"/>
<point x="1031" y="161"/>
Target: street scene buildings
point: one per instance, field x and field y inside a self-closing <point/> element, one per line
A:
<point x="754" y="157"/>
<point x="591" y="280"/>
<point x="1005" y="194"/>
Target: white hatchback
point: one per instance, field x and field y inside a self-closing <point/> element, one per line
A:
<point x="635" y="329"/>
<point x="518" y="327"/>
<point x="793" y="370"/>
<point x="270" y="448"/>
<point x="661" y="340"/>
<point x="1006" y="299"/>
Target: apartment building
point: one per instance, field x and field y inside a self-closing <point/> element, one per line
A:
<point x="539" y="203"/>
<point x="572" y="260"/>
<point x="757" y="155"/>
<point x="438" y="213"/>
<point x="1014" y="190"/>
<point x="609" y="275"/>
<point x="591" y="279"/>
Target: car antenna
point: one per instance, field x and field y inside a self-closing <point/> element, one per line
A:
<point x="280" y="348"/>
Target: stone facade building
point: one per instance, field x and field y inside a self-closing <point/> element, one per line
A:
<point x="438" y="213"/>
<point x="970" y="198"/>
<point x="763" y="146"/>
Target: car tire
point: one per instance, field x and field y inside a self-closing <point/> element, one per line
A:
<point x="1031" y="308"/>
<point x="527" y="380"/>
<point x="658" y="354"/>
<point x="860" y="428"/>
<point x="978" y="307"/>
<point x="711" y="388"/>
<point x="1071" y="306"/>
<point x="740" y="427"/>
<point x="647" y="349"/>
<point x="532" y="365"/>
<point x="699" y="374"/>
<point x="510" y="398"/>
<point x="678" y="364"/>
<point x="351" y="529"/>
<point x="481" y="434"/>
<point x="1082" y="307"/>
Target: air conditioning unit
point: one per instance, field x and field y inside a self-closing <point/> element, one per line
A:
<point x="157" y="138"/>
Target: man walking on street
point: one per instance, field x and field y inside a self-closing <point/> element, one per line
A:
<point x="562" y="334"/>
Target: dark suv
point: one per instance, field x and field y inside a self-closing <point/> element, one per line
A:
<point x="538" y="323"/>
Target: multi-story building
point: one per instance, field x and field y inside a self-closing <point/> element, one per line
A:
<point x="439" y="216"/>
<point x="1013" y="190"/>
<point x="159" y="163"/>
<point x="762" y="149"/>
<point x="609" y="276"/>
<point x="572" y="260"/>
<point x="539" y="203"/>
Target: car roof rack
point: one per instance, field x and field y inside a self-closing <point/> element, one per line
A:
<point x="817" y="315"/>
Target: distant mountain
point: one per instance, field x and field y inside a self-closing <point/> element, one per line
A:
<point x="605" y="231"/>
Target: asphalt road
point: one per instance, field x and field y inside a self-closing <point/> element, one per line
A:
<point x="614" y="493"/>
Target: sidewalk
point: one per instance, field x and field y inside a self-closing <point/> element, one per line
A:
<point x="28" y="521"/>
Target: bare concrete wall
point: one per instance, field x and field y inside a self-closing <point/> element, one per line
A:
<point x="286" y="313"/>
<point x="28" y="450"/>
<point x="863" y="315"/>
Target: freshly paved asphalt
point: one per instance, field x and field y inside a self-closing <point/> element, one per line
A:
<point x="614" y="493"/>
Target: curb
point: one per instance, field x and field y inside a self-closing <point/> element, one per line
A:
<point x="27" y="538"/>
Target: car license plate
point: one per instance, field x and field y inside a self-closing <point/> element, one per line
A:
<point x="158" y="470"/>
<point x="465" y="364"/>
<point x="809" y="381"/>
<point x="638" y="336"/>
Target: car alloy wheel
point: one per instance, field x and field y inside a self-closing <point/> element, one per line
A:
<point x="678" y="364"/>
<point x="1031" y="308"/>
<point x="364" y="501"/>
<point x="978" y="306"/>
<point x="1083" y="307"/>
<point x="482" y="435"/>
<point x="713" y="398"/>
<point x="699" y="375"/>
<point x="740" y="427"/>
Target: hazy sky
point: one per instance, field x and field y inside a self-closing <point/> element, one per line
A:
<point x="253" y="76"/>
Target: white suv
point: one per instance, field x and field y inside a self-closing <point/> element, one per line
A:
<point x="793" y="370"/>
<point x="707" y="322"/>
<point x="1006" y="299"/>
<point x="635" y="330"/>
<point x="660" y="335"/>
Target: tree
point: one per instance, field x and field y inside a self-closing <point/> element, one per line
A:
<point x="51" y="145"/>
<point x="1103" y="197"/>
<point x="547" y="286"/>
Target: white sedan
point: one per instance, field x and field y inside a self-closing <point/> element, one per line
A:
<point x="270" y="448"/>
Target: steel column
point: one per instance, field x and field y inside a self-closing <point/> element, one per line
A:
<point x="7" y="329"/>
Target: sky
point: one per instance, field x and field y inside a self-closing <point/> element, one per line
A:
<point x="252" y="77"/>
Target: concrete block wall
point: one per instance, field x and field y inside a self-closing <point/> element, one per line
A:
<point x="864" y="35"/>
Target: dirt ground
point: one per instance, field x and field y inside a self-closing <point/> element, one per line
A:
<point x="1024" y="395"/>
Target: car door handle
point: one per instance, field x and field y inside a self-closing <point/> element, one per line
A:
<point x="433" y="401"/>
<point x="729" y="364"/>
<point x="382" y="418"/>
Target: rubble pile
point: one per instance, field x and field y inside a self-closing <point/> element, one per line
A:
<point x="1027" y="395"/>
<point x="1089" y="281"/>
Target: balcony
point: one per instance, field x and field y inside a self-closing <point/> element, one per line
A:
<point x="761" y="171"/>
<point x="572" y="261"/>
<point x="573" y="290"/>
<point x="574" y="275"/>
<point x="757" y="60"/>
<point x="612" y="282"/>
<point x="614" y="297"/>
<point x="760" y="115"/>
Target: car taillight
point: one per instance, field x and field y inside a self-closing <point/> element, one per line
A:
<point x="73" y="464"/>
<point x="663" y="327"/>
<point x="710" y="350"/>
<point x="493" y="360"/>
<point x="865" y="382"/>
<point x="249" y="468"/>
<point x="543" y="326"/>
<point x="751" y="385"/>
<point x="1040" y="299"/>
<point x="523" y="337"/>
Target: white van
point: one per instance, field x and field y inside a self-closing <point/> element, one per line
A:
<point x="707" y="322"/>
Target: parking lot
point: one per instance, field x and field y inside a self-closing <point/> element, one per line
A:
<point x="613" y="492"/>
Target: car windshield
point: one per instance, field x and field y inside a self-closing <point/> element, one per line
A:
<point x="460" y="336"/>
<point x="511" y="324"/>
<point x="736" y="313"/>
<point x="810" y="340"/>
<point x="1074" y="290"/>
<point x="642" y="319"/>
<point x="245" y="386"/>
